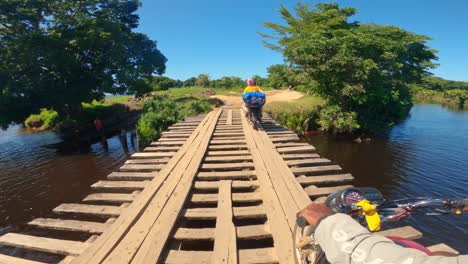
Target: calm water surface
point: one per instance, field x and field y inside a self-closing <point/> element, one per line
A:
<point x="35" y="178"/>
<point x="427" y="155"/>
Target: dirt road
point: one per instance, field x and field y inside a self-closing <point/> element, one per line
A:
<point x="272" y="96"/>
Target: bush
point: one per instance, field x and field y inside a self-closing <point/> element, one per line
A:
<point x="46" y="119"/>
<point x="336" y="121"/>
<point x="162" y="112"/>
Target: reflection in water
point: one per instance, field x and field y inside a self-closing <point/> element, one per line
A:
<point x="35" y="178"/>
<point x="427" y="155"/>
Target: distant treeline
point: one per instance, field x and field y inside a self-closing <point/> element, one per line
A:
<point x="438" y="90"/>
<point x="279" y="76"/>
<point x="439" y="84"/>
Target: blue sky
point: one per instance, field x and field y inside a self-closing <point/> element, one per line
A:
<point x="219" y="37"/>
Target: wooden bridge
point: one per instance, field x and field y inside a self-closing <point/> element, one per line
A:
<point x="210" y="190"/>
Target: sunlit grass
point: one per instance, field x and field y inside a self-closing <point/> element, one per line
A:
<point x="118" y="99"/>
<point x="304" y="104"/>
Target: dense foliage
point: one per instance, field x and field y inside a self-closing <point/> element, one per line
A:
<point x="57" y="54"/>
<point x="46" y="119"/>
<point x="161" y="112"/>
<point x="363" y="69"/>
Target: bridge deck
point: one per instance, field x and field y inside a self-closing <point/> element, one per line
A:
<point x="210" y="190"/>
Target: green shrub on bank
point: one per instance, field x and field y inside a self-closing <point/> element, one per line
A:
<point x="336" y="121"/>
<point x="450" y="97"/>
<point x="299" y="115"/>
<point x="46" y="119"/>
<point x="162" y="112"/>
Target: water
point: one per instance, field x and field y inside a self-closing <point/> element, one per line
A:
<point x="426" y="155"/>
<point x="35" y="178"/>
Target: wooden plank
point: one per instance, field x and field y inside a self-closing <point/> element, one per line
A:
<point x="141" y="167"/>
<point x="132" y="176"/>
<point x="110" y="197"/>
<point x="88" y="209"/>
<point x="316" y="170"/>
<point x="220" y="175"/>
<point x="5" y="259"/>
<point x="227" y="159"/>
<point x="228" y="166"/>
<point x="324" y="179"/>
<point x="50" y="245"/>
<point x="236" y="197"/>
<point x="175" y="134"/>
<point x="228" y="153"/>
<point x="296" y="149"/>
<point x="228" y="134"/>
<point x="229" y="117"/>
<point x="150" y="155"/>
<point x="69" y="225"/>
<point x="109" y="239"/>
<point x="168" y="143"/>
<point x="442" y="247"/>
<point x="162" y="149"/>
<point x="225" y="248"/>
<point x="306" y="162"/>
<point x="257" y="211"/>
<point x="120" y="185"/>
<point x="258" y="256"/>
<point x="213" y="185"/>
<point x="282" y="145"/>
<point x="227" y="141"/>
<point x="227" y="147"/>
<point x="172" y="139"/>
<point x="242" y="232"/>
<point x="315" y="192"/>
<point x="188" y="257"/>
<point x="407" y="232"/>
<point x="285" y="139"/>
<point x="300" y="156"/>
<point x="230" y="138"/>
<point x="147" y="161"/>
<point x="151" y="231"/>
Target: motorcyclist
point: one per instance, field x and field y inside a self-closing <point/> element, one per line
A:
<point x="345" y="241"/>
<point x="253" y="97"/>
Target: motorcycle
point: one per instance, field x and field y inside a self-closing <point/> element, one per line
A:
<point x="254" y="102"/>
<point x="369" y="207"/>
<point x="255" y="116"/>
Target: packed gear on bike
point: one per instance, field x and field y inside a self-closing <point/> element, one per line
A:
<point x="254" y="99"/>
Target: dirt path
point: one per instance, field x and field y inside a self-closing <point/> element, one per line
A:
<point x="272" y="96"/>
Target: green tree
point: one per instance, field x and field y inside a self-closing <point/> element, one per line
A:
<point x="279" y="76"/>
<point x="57" y="54"/>
<point x="362" y="68"/>
<point x="163" y="83"/>
<point x="203" y="80"/>
<point x="259" y="80"/>
<point x="190" y="82"/>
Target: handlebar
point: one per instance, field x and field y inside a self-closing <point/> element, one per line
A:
<point x="407" y="205"/>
